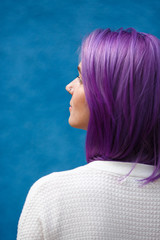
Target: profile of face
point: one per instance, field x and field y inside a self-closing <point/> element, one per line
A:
<point x="79" y="111"/>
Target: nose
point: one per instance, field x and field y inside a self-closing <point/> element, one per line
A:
<point x="70" y="87"/>
<point x="67" y="87"/>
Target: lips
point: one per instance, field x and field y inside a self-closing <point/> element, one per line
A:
<point x="70" y="106"/>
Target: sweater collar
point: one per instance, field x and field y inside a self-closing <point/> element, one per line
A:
<point x="122" y="168"/>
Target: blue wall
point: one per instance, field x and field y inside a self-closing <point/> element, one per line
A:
<point x="38" y="57"/>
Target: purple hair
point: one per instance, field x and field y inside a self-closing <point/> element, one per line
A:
<point x="121" y="77"/>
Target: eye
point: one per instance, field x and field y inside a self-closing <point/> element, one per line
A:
<point x="80" y="80"/>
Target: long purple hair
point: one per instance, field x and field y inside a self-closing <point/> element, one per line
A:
<point x="121" y="77"/>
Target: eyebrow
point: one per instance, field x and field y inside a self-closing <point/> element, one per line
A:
<point x="79" y="69"/>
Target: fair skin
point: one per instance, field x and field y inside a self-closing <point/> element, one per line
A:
<point x="79" y="111"/>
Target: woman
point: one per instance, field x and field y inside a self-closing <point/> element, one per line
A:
<point x="116" y="194"/>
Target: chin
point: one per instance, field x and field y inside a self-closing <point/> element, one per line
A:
<point x="73" y="124"/>
<point x="76" y="125"/>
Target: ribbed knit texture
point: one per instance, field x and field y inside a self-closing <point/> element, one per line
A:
<point x="90" y="203"/>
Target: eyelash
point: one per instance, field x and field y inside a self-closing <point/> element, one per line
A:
<point x="79" y="79"/>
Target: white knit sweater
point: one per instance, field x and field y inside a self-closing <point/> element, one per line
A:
<point x="90" y="203"/>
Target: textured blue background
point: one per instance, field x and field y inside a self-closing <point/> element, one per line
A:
<point x="38" y="57"/>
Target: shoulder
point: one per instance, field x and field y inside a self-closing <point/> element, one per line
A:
<point x="56" y="180"/>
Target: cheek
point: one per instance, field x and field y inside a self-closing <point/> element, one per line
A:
<point x="79" y="115"/>
<point x="80" y="101"/>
